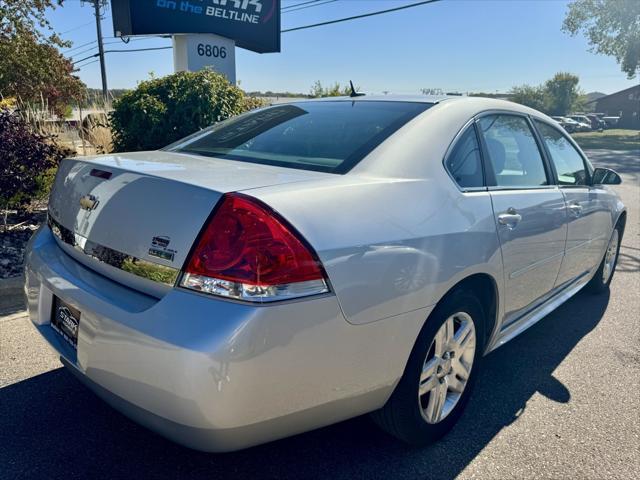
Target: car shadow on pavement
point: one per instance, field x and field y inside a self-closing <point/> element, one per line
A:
<point x="623" y="162"/>
<point x="628" y="259"/>
<point x="51" y="426"/>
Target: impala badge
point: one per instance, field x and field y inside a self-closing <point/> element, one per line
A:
<point x="89" y="202"/>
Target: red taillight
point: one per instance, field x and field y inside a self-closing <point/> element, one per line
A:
<point x="247" y="251"/>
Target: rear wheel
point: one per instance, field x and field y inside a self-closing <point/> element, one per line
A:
<point x="603" y="276"/>
<point x="440" y="373"/>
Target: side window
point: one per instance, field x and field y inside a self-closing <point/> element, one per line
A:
<point x="513" y="151"/>
<point x="568" y="162"/>
<point x="464" y="162"/>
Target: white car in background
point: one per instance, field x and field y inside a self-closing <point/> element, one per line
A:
<point x="583" y="121"/>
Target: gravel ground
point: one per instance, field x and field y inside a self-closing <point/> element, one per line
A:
<point x="560" y="401"/>
<point x="13" y="242"/>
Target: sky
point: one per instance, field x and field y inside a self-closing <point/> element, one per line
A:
<point x="454" y="45"/>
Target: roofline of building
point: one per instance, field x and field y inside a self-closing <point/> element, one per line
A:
<point x="612" y="94"/>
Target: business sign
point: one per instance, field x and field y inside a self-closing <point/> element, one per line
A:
<point x="201" y="50"/>
<point x="253" y="24"/>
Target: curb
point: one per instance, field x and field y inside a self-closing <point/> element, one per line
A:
<point x="12" y="298"/>
<point x="14" y="316"/>
<point x="8" y="285"/>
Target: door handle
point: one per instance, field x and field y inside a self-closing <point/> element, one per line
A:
<point x="575" y="209"/>
<point x="509" y="219"/>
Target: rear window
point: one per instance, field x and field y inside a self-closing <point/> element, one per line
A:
<point x="327" y="136"/>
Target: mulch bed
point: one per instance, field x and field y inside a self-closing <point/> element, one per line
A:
<point x="13" y="240"/>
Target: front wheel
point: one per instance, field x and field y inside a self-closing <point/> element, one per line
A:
<point x="603" y="276"/>
<point x="440" y="373"/>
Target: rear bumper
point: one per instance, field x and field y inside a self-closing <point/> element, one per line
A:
<point x="211" y="374"/>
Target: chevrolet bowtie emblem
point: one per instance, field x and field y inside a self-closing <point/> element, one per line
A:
<point x="89" y="202"/>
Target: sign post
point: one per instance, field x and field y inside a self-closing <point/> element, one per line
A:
<point x="197" y="51"/>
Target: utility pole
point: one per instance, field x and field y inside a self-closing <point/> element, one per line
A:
<point x="103" y="69"/>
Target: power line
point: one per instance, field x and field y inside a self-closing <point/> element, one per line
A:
<point x="123" y="51"/>
<point x="83" y="51"/>
<point x="76" y="28"/>
<point x="105" y="43"/>
<point x="88" y="63"/>
<point x="355" y="17"/>
<point x="86" y="58"/>
<point x="304" y="27"/>
<point x="310" y="6"/>
<point x="131" y="40"/>
<point x="79" y="46"/>
<point x="65" y="52"/>
<point x="138" y="49"/>
<point x="287" y="7"/>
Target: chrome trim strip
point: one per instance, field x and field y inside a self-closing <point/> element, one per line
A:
<point x="503" y="188"/>
<point x="133" y="265"/>
<point x="516" y="327"/>
<point x="586" y="243"/>
<point x="537" y="264"/>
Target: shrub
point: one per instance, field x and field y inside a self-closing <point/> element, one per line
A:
<point x="250" y="103"/>
<point x="160" y="111"/>
<point x="7" y="102"/>
<point x="27" y="160"/>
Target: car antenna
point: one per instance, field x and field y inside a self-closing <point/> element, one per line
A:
<point x="353" y="91"/>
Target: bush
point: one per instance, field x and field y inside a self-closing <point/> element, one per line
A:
<point x="27" y="161"/>
<point x="250" y="103"/>
<point x="160" y="111"/>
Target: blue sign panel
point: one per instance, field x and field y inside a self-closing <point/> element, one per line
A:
<point x="253" y="24"/>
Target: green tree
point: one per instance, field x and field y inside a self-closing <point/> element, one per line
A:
<point x="531" y="96"/>
<point x="20" y="17"/>
<point x="559" y="95"/>
<point x="335" y="90"/>
<point x="35" y="71"/>
<point x="562" y="93"/>
<point x="31" y="68"/>
<point x="612" y="27"/>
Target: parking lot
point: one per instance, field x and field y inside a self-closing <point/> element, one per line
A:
<point x="560" y="401"/>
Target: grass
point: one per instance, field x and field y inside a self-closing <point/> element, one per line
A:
<point x="90" y="137"/>
<point x="615" y="139"/>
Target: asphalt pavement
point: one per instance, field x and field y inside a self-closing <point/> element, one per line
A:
<point x="560" y="401"/>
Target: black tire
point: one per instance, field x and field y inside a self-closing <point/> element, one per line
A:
<point x="402" y="415"/>
<point x="597" y="284"/>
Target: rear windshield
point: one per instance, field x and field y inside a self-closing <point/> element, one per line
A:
<point x="327" y="136"/>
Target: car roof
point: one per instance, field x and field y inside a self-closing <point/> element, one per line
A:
<point x="481" y="103"/>
<point x="385" y="98"/>
<point x="471" y="105"/>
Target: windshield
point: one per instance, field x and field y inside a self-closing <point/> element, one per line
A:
<point x="327" y="136"/>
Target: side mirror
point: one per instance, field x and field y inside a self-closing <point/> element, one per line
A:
<point x="605" y="176"/>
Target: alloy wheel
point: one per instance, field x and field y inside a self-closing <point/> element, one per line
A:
<point x="447" y="367"/>
<point x="611" y="256"/>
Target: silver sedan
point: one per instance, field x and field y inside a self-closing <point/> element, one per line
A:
<point x="302" y="264"/>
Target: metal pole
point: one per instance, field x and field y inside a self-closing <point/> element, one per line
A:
<point x="103" y="70"/>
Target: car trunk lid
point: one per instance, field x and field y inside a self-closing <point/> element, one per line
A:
<point x="137" y="211"/>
